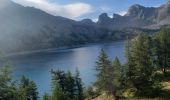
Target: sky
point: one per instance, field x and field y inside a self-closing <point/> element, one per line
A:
<point x="82" y="9"/>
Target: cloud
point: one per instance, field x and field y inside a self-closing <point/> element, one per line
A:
<point x="72" y="10"/>
<point x="122" y="13"/>
<point x="95" y="19"/>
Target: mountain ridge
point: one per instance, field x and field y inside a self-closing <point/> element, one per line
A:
<point x="28" y="28"/>
<point x="139" y="16"/>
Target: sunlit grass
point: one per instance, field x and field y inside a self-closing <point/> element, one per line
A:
<point x="165" y="94"/>
<point x="104" y="97"/>
<point x="166" y="85"/>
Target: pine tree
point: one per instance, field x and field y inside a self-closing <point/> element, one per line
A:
<point x="46" y="96"/>
<point x="90" y="93"/>
<point x="116" y="74"/>
<point x="106" y="81"/>
<point x="28" y="89"/>
<point x="59" y="85"/>
<point x="33" y="90"/>
<point x="78" y="86"/>
<point x="102" y="68"/>
<point x="129" y="65"/>
<point x="8" y="89"/>
<point x="58" y="93"/>
<point x="65" y="86"/>
<point x="142" y="68"/>
<point x="162" y="50"/>
<point x="70" y="85"/>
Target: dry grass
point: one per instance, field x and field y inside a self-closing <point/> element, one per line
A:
<point x="104" y="97"/>
<point x="166" y="90"/>
<point x="166" y="85"/>
<point x="165" y="93"/>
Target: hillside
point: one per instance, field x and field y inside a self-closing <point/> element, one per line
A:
<point x="27" y="28"/>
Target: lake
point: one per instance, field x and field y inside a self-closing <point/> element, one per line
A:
<point x="37" y="65"/>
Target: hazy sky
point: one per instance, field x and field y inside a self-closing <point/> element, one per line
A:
<point x="80" y="9"/>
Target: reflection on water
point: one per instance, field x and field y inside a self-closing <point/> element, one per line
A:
<point x="37" y="65"/>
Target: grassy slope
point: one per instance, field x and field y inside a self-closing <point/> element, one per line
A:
<point x="166" y="90"/>
<point x="165" y="94"/>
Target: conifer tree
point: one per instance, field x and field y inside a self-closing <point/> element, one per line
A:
<point x="78" y="86"/>
<point x="70" y="85"/>
<point x="116" y="74"/>
<point x="58" y="85"/>
<point x="129" y="65"/>
<point x="162" y="49"/>
<point x="142" y="69"/>
<point x="102" y="68"/>
<point x="65" y="86"/>
<point x="46" y="96"/>
<point x="8" y="89"/>
<point x="106" y="74"/>
<point x="58" y="93"/>
<point x="27" y="89"/>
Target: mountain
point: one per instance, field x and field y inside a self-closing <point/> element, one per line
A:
<point x="138" y="17"/>
<point x="27" y="28"/>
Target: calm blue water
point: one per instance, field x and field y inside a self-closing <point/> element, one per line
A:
<point x="37" y="65"/>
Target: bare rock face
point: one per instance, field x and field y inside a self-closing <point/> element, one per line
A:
<point x="135" y="10"/>
<point x="164" y="14"/>
<point x="140" y="17"/>
<point x="104" y="20"/>
<point x="87" y="22"/>
<point x="116" y="16"/>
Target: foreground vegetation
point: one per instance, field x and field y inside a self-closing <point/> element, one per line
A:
<point x="146" y="74"/>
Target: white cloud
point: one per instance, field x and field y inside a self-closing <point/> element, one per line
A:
<point x="122" y="13"/>
<point x="95" y="19"/>
<point x="72" y="10"/>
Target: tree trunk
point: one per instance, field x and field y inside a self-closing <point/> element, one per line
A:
<point x="115" y="97"/>
<point x="164" y="72"/>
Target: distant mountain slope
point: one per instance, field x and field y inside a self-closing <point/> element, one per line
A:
<point x="27" y="28"/>
<point x="139" y="17"/>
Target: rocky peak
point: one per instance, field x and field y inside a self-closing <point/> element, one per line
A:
<point x="103" y="18"/>
<point x="168" y="2"/>
<point x="87" y="22"/>
<point x="165" y="5"/>
<point x="164" y="11"/>
<point x="116" y="16"/>
<point x="134" y="10"/>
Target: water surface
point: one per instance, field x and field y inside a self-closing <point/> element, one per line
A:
<point x="37" y="65"/>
